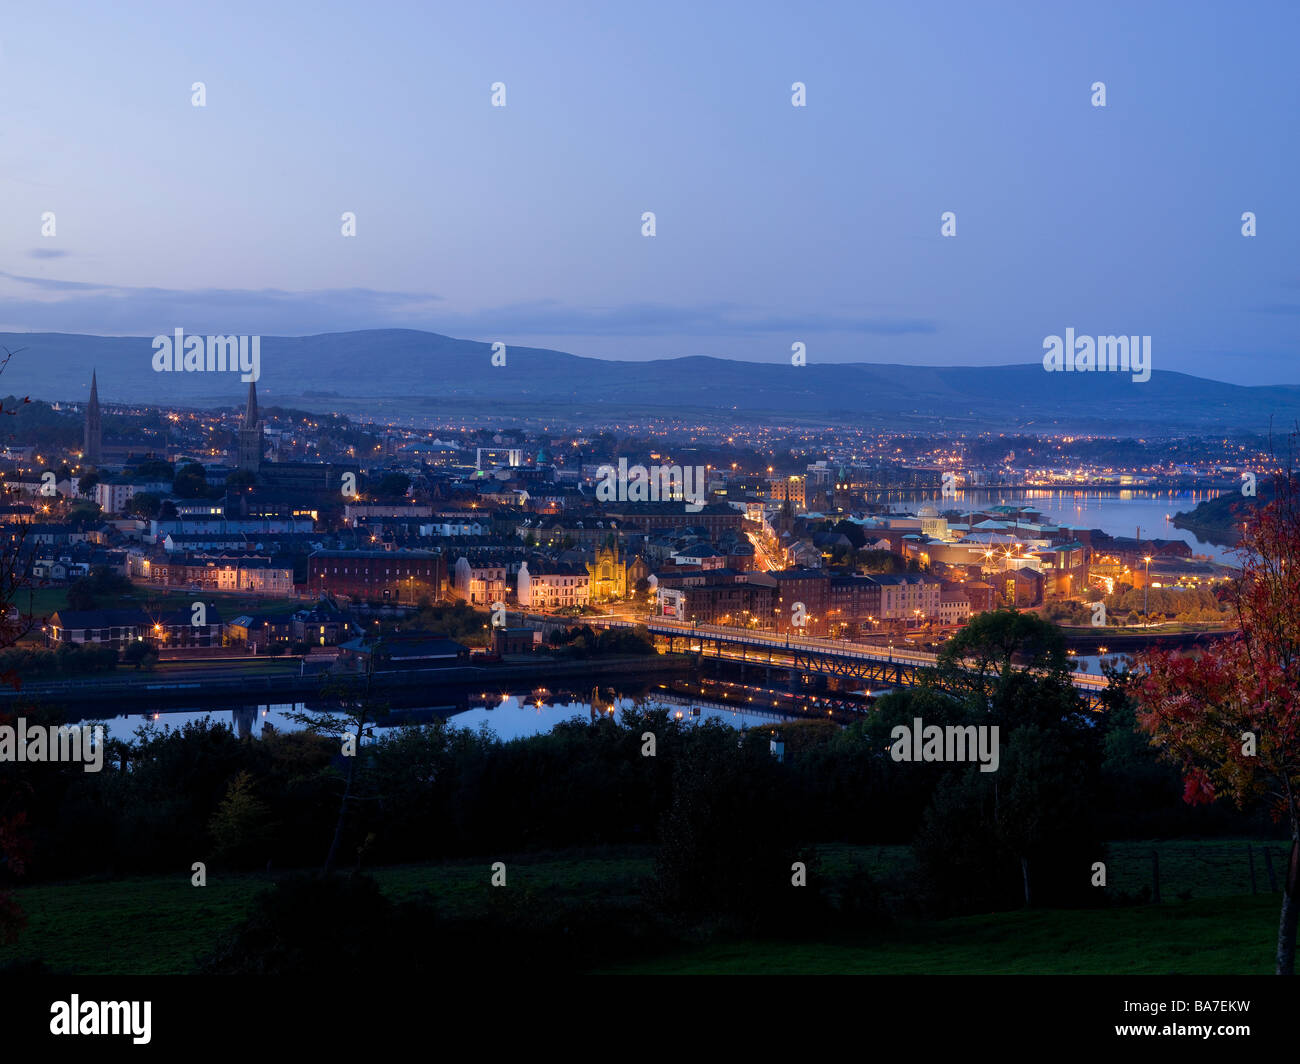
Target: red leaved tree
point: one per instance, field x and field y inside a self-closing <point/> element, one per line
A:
<point x="1231" y="714"/>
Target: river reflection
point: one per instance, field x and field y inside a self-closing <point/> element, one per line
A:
<point x="508" y="715"/>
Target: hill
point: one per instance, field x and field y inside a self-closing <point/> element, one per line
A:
<point x="408" y="372"/>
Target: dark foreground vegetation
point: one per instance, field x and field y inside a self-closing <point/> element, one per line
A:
<point x="583" y="910"/>
<point x="722" y="829"/>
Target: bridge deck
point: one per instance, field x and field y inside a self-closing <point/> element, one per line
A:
<point x="899" y="667"/>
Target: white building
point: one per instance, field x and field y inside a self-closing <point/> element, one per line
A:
<point x="113" y="495"/>
<point x="554" y="586"/>
<point x="907" y="597"/>
<point x="448" y="529"/>
<point x="479" y="584"/>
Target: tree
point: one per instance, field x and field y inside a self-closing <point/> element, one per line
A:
<point x="86" y="484"/>
<point x="140" y="654"/>
<point x="191" y="482"/>
<point x="854" y="532"/>
<point x="144" y="504"/>
<point x="155" y="470"/>
<point x="1230" y="716"/>
<point x="392" y="487"/>
<point x="100" y="585"/>
<point x="730" y="835"/>
<point x="85" y="514"/>
<point x="983" y="656"/>
<point x="880" y="561"/>
<point x="1009" y="669"/>
<point x="240" y="827"/>
<point x="351" y="726"/>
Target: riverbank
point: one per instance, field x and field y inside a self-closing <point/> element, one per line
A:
<point x="1085" y="640"/>
<point x="1217" y="534"/>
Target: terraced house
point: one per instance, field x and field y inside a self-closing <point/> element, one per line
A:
<point x="258" y="574"/>
<point x="480" y="582"/>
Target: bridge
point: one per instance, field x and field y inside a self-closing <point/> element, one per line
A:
<point x="811" y="656"/>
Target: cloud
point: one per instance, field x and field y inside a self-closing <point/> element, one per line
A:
<point x="115" y="310"/>
<point x="48" y="253"/>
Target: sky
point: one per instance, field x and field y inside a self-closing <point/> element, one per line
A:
<point x="774" y="224"/>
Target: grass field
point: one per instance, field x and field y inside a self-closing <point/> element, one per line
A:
<point x="262" y="666"/>
<point x="44" y="601"/>
<point x="162" y="925"/>
<point x="41" y="602"/>
<point x="1212" y="868"/>
<point x="230" y="604"/>
<point x="1220" y="936"/>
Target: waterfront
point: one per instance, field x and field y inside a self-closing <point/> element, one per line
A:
<point x="1118" y="511"/>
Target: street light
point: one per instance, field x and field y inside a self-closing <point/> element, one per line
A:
<point x="1146" y="587"/>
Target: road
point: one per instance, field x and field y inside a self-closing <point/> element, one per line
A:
<point x="768" y="562"/>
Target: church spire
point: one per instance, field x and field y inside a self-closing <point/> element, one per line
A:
<point x="250" y="435"/>
<point x="92" y="442"/>
<point x="250" y="413"/>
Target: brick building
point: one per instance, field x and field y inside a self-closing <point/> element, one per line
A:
<point x="403" y="576"/>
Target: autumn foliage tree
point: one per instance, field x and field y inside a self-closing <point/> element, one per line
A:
<point x="1230" y="715"/>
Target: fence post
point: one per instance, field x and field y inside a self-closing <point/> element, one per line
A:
<point x="1250" y="852"/>
<point x="1155" y="878"/>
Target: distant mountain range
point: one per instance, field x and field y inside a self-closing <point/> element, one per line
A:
<point x="400" y="372"/>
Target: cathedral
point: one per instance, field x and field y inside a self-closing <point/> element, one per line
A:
<point x="610" y="577"/>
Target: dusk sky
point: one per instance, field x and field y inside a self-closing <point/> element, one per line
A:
<point x="774" y="223"/>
